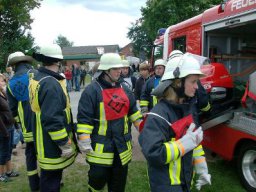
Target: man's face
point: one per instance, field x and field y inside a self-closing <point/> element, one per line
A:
<point x="159" y="70"/>
<point x="8" y="69"/>
<point x="125" y="70"/>
<point x="115" y="74"/>
<point x="191" y="85"/>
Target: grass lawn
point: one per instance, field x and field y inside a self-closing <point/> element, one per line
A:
<point x="224" y="179"/>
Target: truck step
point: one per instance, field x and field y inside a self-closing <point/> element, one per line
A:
<point x="218" y="120"/>
<point x="244" y="121"/>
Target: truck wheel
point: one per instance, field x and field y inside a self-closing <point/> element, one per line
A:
<point x="247" y="166"/>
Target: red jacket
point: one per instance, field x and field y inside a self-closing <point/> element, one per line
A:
<point x="68" y="75"/>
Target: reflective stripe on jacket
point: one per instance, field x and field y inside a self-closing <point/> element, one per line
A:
<point x="50" y="102"/>
<point x="146" y="99"/>
<point x="105" y="134"/>
<point x="166" y="168"/>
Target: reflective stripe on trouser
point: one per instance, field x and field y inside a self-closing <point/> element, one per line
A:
<point x="31" y="163"/>
<point x="114" y="177"/>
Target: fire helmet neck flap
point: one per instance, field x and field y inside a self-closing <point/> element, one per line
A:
<point x="49" y="54"/>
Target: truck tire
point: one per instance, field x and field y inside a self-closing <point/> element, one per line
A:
<point x="246" y="162"/>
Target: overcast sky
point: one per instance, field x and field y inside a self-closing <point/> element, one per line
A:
<point x="85" y="22"/>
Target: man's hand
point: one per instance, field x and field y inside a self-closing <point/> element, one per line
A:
<point x="190" y="140"/>
<point x="84" y="143"/>
<point x="66" y="150"/>
<point x="203" y="179"/>
<point x="201" y="170"/>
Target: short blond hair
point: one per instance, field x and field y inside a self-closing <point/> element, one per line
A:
<point x="169" y="94"/>
<point x="144" y="66"/>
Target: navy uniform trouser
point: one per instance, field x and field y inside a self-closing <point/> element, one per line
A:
<point x="31" y="163"/>
<point x="50" y="180"/>
<point x="115" y="176"/>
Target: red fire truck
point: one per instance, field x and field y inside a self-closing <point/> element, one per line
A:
<point x="226" y="34"/>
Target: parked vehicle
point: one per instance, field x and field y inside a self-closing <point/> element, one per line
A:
<point x="226" y="35"/>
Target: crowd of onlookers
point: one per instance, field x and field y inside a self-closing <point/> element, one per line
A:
<point x="75" y="77"/>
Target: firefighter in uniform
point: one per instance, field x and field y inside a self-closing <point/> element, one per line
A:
<point x="170" y="140"/>
<point x="148" y="101"/>
<point x="126" y="76"/>
<point x="201" y="98"/>
<point x="18" y="97"/>
<point x="53" y="134"/>
<point x="105" y="108"/>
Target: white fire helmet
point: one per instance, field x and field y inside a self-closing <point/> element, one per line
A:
<point x="125" y="63"/>
<point x="52" y="50"/>
<point x="18" y="57"/>
<point x="110" y="60"/>
<point x="182" y="66"/>
<point x="175" y="53"/>
<point x="159" y="62"/>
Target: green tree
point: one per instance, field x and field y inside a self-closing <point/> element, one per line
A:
<point x="15" y="21"/>
<point x="63" y="41"/>
<point x="158" y="14"/>
<point x="140" y="38"/>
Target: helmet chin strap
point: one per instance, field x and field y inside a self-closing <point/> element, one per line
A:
<point x="110" y="77"/>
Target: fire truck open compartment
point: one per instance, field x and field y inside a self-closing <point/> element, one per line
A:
<point x="235" y="47"/>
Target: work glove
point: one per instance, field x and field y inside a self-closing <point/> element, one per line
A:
<point x="190" y="140"/>
<point x="203" y="179"/>
<point x="84" y="143"/>
<point x="66" y="150"/>
<point x="201" y="169"/>
<point x="144" y="111"/>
